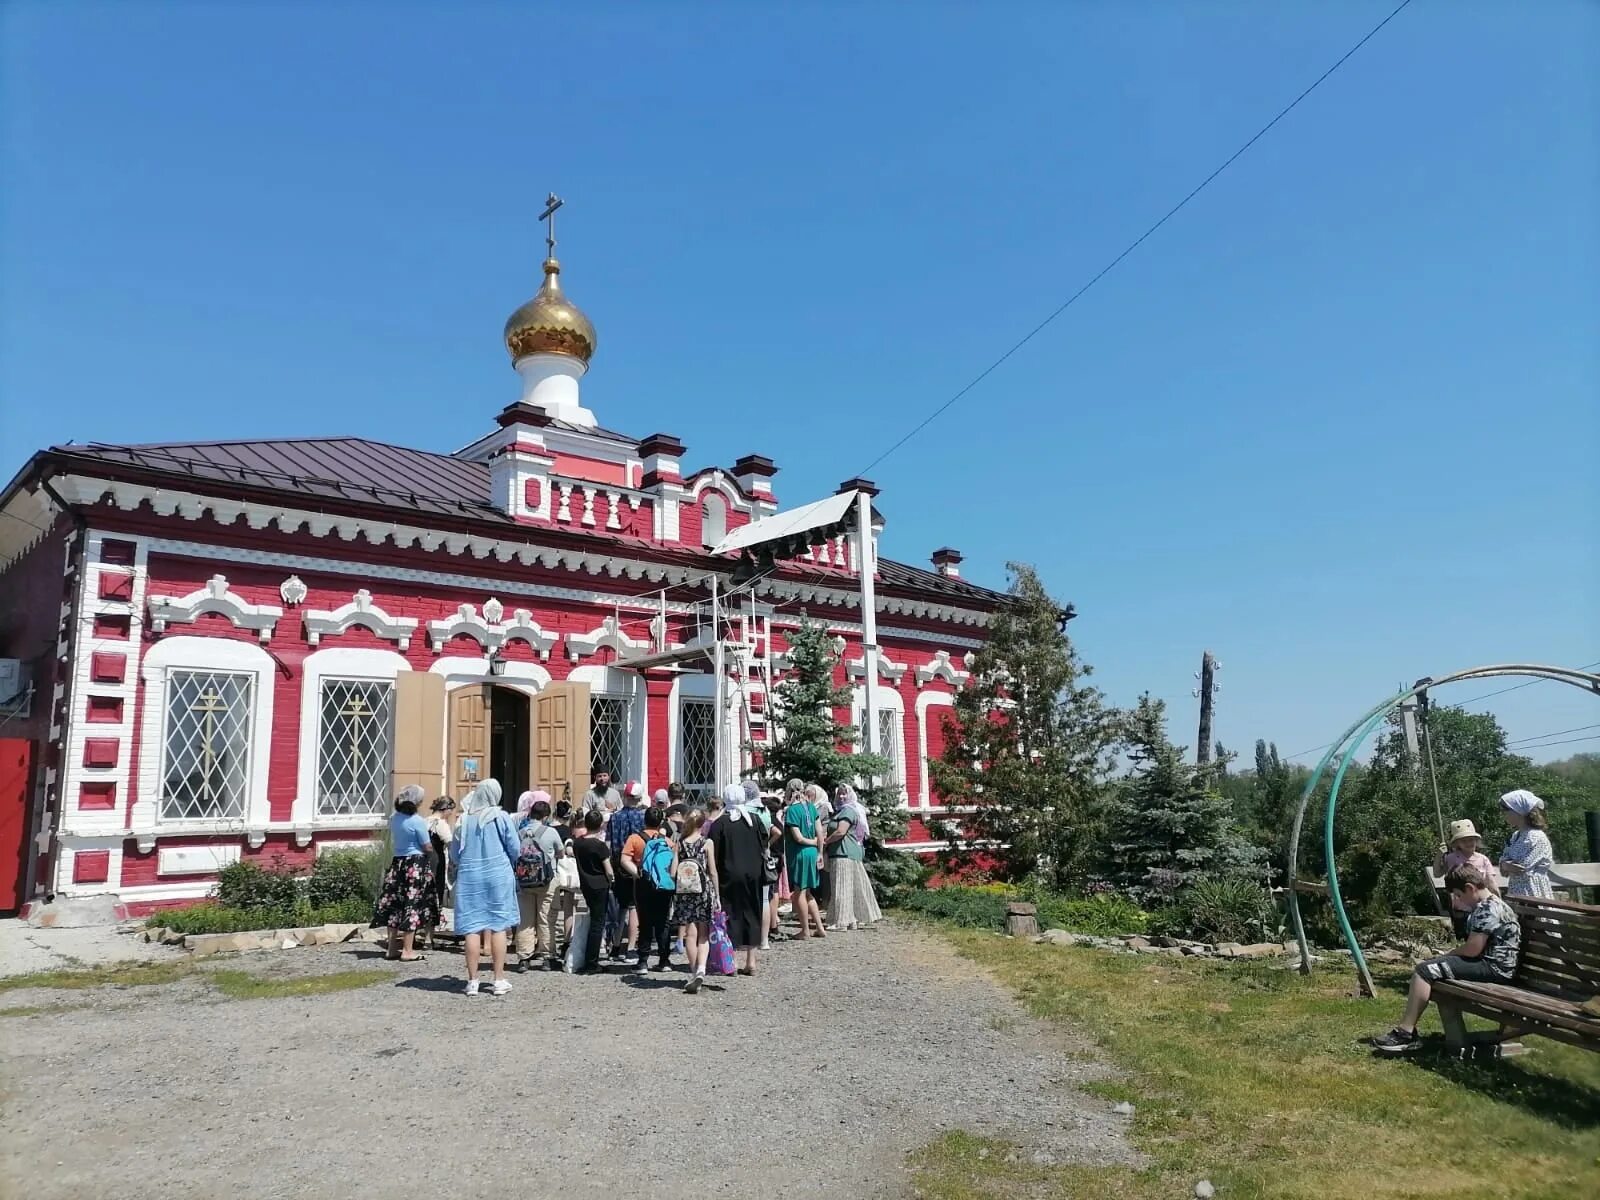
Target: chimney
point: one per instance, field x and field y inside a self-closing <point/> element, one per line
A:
<point x="947" y="562"/>
<point x="754" y="473"/>
<point x="857" y="484"/>
<point x="662" y="454"/>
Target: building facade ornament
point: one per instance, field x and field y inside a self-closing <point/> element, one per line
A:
<point x="522" y="627"/>
<point x="361" y="610"/>
<point x="292" y="591"/>
<point x="465" y="620"/>
<point x="214" y="597"/>
<point x="940" y="667"/>
<point x="607" y="633"/>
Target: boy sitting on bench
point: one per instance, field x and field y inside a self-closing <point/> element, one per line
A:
<point x="1489" y="955"/>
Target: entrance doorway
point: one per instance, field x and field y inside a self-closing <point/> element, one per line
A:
<point x="508" y="743"/>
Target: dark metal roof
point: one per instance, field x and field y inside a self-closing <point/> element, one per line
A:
<point x="362" y="471"/>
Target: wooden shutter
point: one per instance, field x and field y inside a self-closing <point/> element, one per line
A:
<point x="559" y="745"/>
<point x="418" y="732"/>
<point x="469" y="738"/>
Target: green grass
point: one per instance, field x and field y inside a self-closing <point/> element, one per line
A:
<point x="245" y="985"/>
<point x="1255" y="1079"/>
<point x="122" y="974"/>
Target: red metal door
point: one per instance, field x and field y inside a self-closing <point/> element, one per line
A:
<point x="15" y="756"/>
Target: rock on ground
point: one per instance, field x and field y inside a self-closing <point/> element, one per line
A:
<point x="815" y="1079"/>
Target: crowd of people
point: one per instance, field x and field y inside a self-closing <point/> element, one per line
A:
<point x="550" y="885"/>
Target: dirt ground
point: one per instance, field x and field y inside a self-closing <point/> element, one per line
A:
<point x="814" y="1078"/>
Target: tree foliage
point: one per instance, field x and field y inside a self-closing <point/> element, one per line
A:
<point x="811" y="743"/>
<point x="1166" y="825"/>
<point x="1027" y="745"/>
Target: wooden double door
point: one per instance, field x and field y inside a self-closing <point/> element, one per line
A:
<point x="539" y="741"/>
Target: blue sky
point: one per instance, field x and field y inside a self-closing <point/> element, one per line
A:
<point x="1338" y="421"/>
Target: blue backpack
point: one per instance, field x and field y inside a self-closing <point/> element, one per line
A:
<point x="658" y="864"/>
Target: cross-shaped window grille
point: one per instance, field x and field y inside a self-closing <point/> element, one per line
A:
<point x="353" y="749"/>
<point x="608" y="736"/>
<point x="697" y="745"/>
<point x="206" y="765"/>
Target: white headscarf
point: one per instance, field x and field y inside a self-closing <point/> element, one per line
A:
<point x="482" y="798"/>
<point x="850" y="805"/>
<point x="733" y="802"/>
<point x="1521" y="801"/>
<point x="412" y="792"/>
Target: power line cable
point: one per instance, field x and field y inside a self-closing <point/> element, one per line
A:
<point x="1553" y="733"/>
<point x="1137" y="242"/>
<point x="1593" y="737"/>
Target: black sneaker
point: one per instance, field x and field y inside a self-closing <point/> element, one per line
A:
<point x="663" y="965"/>
<point x="1397" y="1041"/>
<point x="692" y="986"/>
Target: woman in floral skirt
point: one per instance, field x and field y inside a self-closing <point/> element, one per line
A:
<point x="408" y="901"/>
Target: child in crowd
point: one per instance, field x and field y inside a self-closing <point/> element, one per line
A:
<point x="1489" y="955"/>
<point x="1464" y="849"/>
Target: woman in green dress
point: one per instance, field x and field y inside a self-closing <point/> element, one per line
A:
<point x="801" y="842"/>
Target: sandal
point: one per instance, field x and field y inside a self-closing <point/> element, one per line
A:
<point x="413" y="958"/>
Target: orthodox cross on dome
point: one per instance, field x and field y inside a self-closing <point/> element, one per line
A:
<point x="548" y="216"/>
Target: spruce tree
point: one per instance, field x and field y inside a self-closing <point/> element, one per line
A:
<point x="1167" y="825"/>
<point x="811" y="743"/>
<point x="1027" y="745"/>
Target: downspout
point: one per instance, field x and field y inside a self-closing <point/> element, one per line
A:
<point x="79" y="573"/>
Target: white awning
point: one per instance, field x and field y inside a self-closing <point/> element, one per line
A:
<point x="818" y="515"/>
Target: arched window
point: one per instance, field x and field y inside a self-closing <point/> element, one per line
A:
<point x="713" y="519"/>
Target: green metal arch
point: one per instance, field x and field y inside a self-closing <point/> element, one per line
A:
<point x="1344" y="749"/>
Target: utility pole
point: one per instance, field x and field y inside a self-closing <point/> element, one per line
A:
<point x="1208" y="684"/>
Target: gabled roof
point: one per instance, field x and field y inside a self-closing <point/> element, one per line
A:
<point x="363" y="471"/>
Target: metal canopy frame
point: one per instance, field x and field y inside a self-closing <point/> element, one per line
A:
<point x="1344" y="749"/>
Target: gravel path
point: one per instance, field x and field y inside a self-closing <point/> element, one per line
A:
<point x="409" y="1088"/>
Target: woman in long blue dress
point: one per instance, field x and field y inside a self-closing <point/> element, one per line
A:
<point x="485" y="847"/>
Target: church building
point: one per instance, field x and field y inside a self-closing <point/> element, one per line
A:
<point x="214" y="651"/>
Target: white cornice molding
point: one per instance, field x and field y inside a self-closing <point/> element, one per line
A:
<point x="213" y="598"/>
<point x="82" y="489"/>
<point x="607" y="633"/>
<point x="359" y="611"/>
<point x="940" y="667"/>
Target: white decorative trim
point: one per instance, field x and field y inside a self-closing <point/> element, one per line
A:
<point x="292" y="591"/>
<point x="339" y="662"/>
<point x="926" y="701"/>
<point x="214" y="598"/>
<point x="359" y="611"/>
<point x="201" y="859"/>
<point x="460" y="672"/>
<point x="202" y="654"/>
<point x="607" y="633"/>
<point x="165" y="502"/>
<point x="886" y="700"/>
<point x="940" y="667"/>
<point x="892" y="671"/>
<point x="522" y="627"/>
<point x="465" y="621"/>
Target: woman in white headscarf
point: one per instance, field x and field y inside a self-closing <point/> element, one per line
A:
<point x="853" y="903"/>
<point x="485" y="849"/>
<point x="408" y="900"/>
<point x="1528" y="856"/>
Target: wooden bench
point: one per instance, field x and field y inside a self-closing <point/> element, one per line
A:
<point x="1571" y="878"/>
<point x="1558" y="969"/>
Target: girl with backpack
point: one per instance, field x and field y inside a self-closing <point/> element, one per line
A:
<point x="695" y="899"/>
<point x="650" y="859"/>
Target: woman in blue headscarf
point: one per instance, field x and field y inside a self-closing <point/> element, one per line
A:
<point x="484" y="849"/>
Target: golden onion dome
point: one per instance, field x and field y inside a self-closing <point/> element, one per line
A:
<point x="550" y="323"/>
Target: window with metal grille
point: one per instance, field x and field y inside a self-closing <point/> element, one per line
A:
<point x="888" y="743"/>
<point x="609" y="737"/>
<point x="353" y="748"/>
<point x="205" y="768"/>
<point x="697" y="745"/>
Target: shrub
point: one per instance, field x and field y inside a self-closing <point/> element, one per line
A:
<point x="984" y="907"/>
<point x="1101" y="916"/>
<point x="211" y="917"/>
<point x="247" y="885"/>
<point x="375" y="861"/>
<point x="339" y="876"/>
<point x="895" y="873"/>
<point x="1230" y="908"/>
<point x="970" y="908"/>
